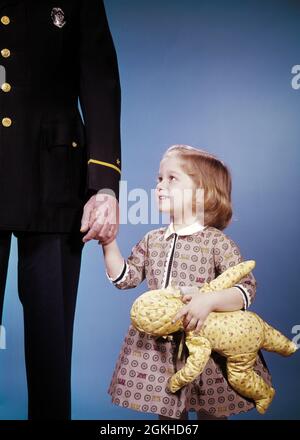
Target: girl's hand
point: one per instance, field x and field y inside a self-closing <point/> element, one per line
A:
<point x="196" y="311"/>
<point x="188" y="292"/>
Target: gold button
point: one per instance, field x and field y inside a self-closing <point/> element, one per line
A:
<point x="74" y="144"/>
<point x="6" y="122"/>
<point x="5" y="53"/>
<point x="5" y="20"/>
<point x="6" y="87"/>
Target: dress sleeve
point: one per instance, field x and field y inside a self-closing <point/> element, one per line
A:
<point x="133" y="272"/>
<point x="227" y="254"/>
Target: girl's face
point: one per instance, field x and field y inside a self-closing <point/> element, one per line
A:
<point x="174" y="189"/>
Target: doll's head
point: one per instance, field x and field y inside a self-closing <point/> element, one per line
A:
<point x="193" y="182"/>
<point x="153" y="311"/>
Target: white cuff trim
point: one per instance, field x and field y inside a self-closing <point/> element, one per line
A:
<point x="120" y="278"/>
<point x="245" y="295"/>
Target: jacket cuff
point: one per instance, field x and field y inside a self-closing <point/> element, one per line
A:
<point x="102" y="175"/>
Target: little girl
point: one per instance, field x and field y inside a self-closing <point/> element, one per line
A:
<point x="187" y="253"/>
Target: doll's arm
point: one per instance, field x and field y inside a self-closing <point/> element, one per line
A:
<point x="225" y="280"/>
<point x="199" y="353"/>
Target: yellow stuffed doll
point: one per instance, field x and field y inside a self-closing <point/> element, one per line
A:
<point x="235" y="335"/>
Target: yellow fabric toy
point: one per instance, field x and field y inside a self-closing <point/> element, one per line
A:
<point x="235" y="335"/>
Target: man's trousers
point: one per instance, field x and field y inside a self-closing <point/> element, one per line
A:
<point x="48" y="274"/>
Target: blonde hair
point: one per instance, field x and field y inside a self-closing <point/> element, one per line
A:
<point x="211" y="174"/>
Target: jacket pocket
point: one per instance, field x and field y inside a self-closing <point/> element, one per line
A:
<point x="63" y="163"/>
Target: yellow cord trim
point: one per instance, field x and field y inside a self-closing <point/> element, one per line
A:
<point x="106" y="164"/>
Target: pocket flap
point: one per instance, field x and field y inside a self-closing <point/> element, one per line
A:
<point x="63" y="133"/>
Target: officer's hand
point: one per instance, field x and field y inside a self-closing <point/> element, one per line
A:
<point x="100" y="218"/>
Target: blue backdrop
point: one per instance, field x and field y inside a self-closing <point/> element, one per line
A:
<point x="214" y="74"/>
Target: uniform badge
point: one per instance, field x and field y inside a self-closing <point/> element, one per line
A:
<point x="58" y="17"/>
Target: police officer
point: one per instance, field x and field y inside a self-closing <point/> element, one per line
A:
<point x="51" y="167"/>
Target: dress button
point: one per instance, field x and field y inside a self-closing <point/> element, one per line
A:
<point x="5" y="20"/>
<point x="5" y="53"/>
<point x="6" y="122"/>
<point x="6" y="87"/>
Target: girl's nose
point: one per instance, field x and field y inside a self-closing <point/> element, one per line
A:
<point x="161" y="185"/>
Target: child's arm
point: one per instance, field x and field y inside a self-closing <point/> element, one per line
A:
<point x="113" y="259"/>
<point x="125" y="274"/>
<point x="227" y="300"/>
<point x="202" y="304"/>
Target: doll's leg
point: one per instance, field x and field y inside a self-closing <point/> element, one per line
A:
<point x="245" y="381"/>
<point x="199" y="351"/>
<point x="277" y="342"/>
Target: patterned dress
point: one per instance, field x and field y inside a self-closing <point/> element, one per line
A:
<point x="193" y="256"/>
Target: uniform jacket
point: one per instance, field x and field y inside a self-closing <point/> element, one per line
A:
<point x="54" y="54"/>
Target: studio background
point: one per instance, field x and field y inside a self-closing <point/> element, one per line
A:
<point x="214" y="74"/>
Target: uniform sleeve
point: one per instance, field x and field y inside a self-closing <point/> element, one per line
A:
<point x="100" y="98"/>
<point x="227" y="254"/>
<point x="133" y="272"/>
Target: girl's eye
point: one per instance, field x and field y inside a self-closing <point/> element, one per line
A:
<point x="159" y="179"/>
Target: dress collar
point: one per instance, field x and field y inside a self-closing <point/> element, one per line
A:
<point x="187" y="230"/>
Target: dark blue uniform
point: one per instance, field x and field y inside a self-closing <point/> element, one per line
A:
<point x="54" y="54"/>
